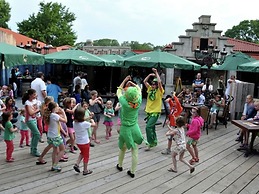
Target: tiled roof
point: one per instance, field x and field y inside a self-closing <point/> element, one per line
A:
<point x="243" y="46"/>
<point x="22" y="39"/>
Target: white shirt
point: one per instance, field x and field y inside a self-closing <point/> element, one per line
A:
<point x="77" y="81"/>
<point x="39" y="85"/>
<point x="81" y="132"/>
<point x="84" y="83"/>
<point x="54" y="126"/>
<point x="210" y="88"/>
<point x="32" y="105"/>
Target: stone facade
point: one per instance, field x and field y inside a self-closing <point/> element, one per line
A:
<point x="200" y="36"/>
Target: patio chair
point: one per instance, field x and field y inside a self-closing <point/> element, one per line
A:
<point x="205" y="114"/>
<point x="223" y="115"/>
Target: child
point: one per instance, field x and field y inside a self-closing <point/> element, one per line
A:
<point x="108" y="113"/>
<point x="30" y="118"/>
<point x="216" y="104"/>
<point x="188" y="96"/>
<point x="69" y="108"/>
<point x="9" y="135"/>
<point x="95" y="107"/>
<point x="180" y="147"/>
<point x="54" y="115"/>
<point x="88" y="116"/>
<point x="44" y="107"/>
<point x="117" y="108"/>
<point x="193" y="134"/>
<point x="38" y="105"/>
<point x="24" y="131"/>
<point x="82" y="139"/>
<point x="175" y="111"/>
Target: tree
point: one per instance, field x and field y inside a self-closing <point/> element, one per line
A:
<point x="135" y="45"/>
<point x="106" y="42"/>
<point x="5" y="15"/>
<point x="247" y="30"/>
<point x="52" y="25"/>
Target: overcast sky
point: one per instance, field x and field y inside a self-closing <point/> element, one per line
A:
<point x="156" y="21"/>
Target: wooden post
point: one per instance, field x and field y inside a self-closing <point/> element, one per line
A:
<point x="239" y="91"/>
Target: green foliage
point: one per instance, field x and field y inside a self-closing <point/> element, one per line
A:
<point x="5" y="15"/>
<point x="106" y="42"/>
<point x="52" y="25"/>
<point x="135" y="45"/>
<point x="247" y="30"/>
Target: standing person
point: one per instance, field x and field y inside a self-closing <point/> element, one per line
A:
<point x="39" y="86"/>
<point x="30" y="117"/>
<point x="85" y="94"/>
<point x="130" y="133"/>
<point x="153" y="107"/>
<point x="82" y="139"/>
<point x="24" y="130"/>
<point x="175" y="111"/>
<point x="27" y="74"/>
<point x="84" y="81"/>
<point x="77" y="81"/>
<point x="53" y="89"/>
<point x="194" y="134"/>
<point x="162" y="77"/>
<point x="69" y="110"/>
<point x="54" y="115"/>
<point x="230" y="82"/>
<point x="2" y="108"/>
<point x="88" y="116"/>
<point x="198" y="83"/>
<point x="221" y="86"/>
<point x="108" y="114"/>
<point x="207" y="89"/>
<point x="178" y="135"/>
<point x="9" y="135"/>
<point x="95" y="106"/>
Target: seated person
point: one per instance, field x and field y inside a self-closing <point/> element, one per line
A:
<point x="207" y="90"/>
<point x="27" y="74"/>
<point x="188" y="96"/>
<point x="217" y="104"/>
<point x="200" y="98"/>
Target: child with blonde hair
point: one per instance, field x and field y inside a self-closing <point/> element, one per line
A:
<point x="108" y="114"/>
<point x="180" y="144"/>
<point x="24" y="130"/>
<point x="82" y="139"/>
<point x="69" y="108"/>
<point x="88" y="116"/>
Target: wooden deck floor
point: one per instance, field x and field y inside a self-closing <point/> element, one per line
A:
<point x="222" y="169"/>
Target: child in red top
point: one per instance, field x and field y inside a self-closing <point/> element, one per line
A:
<point x="194" y="134"/>
<point x="175" y="111"/>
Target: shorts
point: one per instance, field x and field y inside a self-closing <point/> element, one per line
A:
<point x="56" y="141"/>
<point x="70" y="130"/>
<point x="108" y="123"/>
<point x="97" y="117"/>
<point x="191" y="141"/>
<point x="179" y="149"/>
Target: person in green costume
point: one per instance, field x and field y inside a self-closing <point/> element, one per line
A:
<point x="153" y="107"/>
<point x="129" y="134"/>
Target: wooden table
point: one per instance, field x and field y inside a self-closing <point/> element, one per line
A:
<point x="251" y="128"/>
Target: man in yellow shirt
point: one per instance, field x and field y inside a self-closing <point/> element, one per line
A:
<point x="153" y="107"/>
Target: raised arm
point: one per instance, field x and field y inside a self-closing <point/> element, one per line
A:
<point x="120" y="88"/>
<point x="158" y="79"/>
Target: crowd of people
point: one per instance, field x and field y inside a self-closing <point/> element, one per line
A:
<point x="74" y="126"/>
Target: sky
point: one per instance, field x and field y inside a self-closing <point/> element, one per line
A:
<point x="159" y="22"/>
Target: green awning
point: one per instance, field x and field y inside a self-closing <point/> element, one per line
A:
<point x="160" y="59"/>
<point x="14" y="56"/>
<point x="250" y="67"/>
<point x="76" y="57"/>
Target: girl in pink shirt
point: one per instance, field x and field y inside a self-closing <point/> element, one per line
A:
<point x="193" y="134"/>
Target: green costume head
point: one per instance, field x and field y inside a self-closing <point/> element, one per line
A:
<point x="132" y="94"/>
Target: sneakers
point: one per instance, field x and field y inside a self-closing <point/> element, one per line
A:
<point x="56" y="168"/>
<point x="41" y="140"/>
<point x="130" y="174"/>
<point x="166" y="152"/>
<point x="76" y="168"/>
<point x="21" y="146"/>
<point x="10" y="160"/>
<point x="119" y="168"/>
